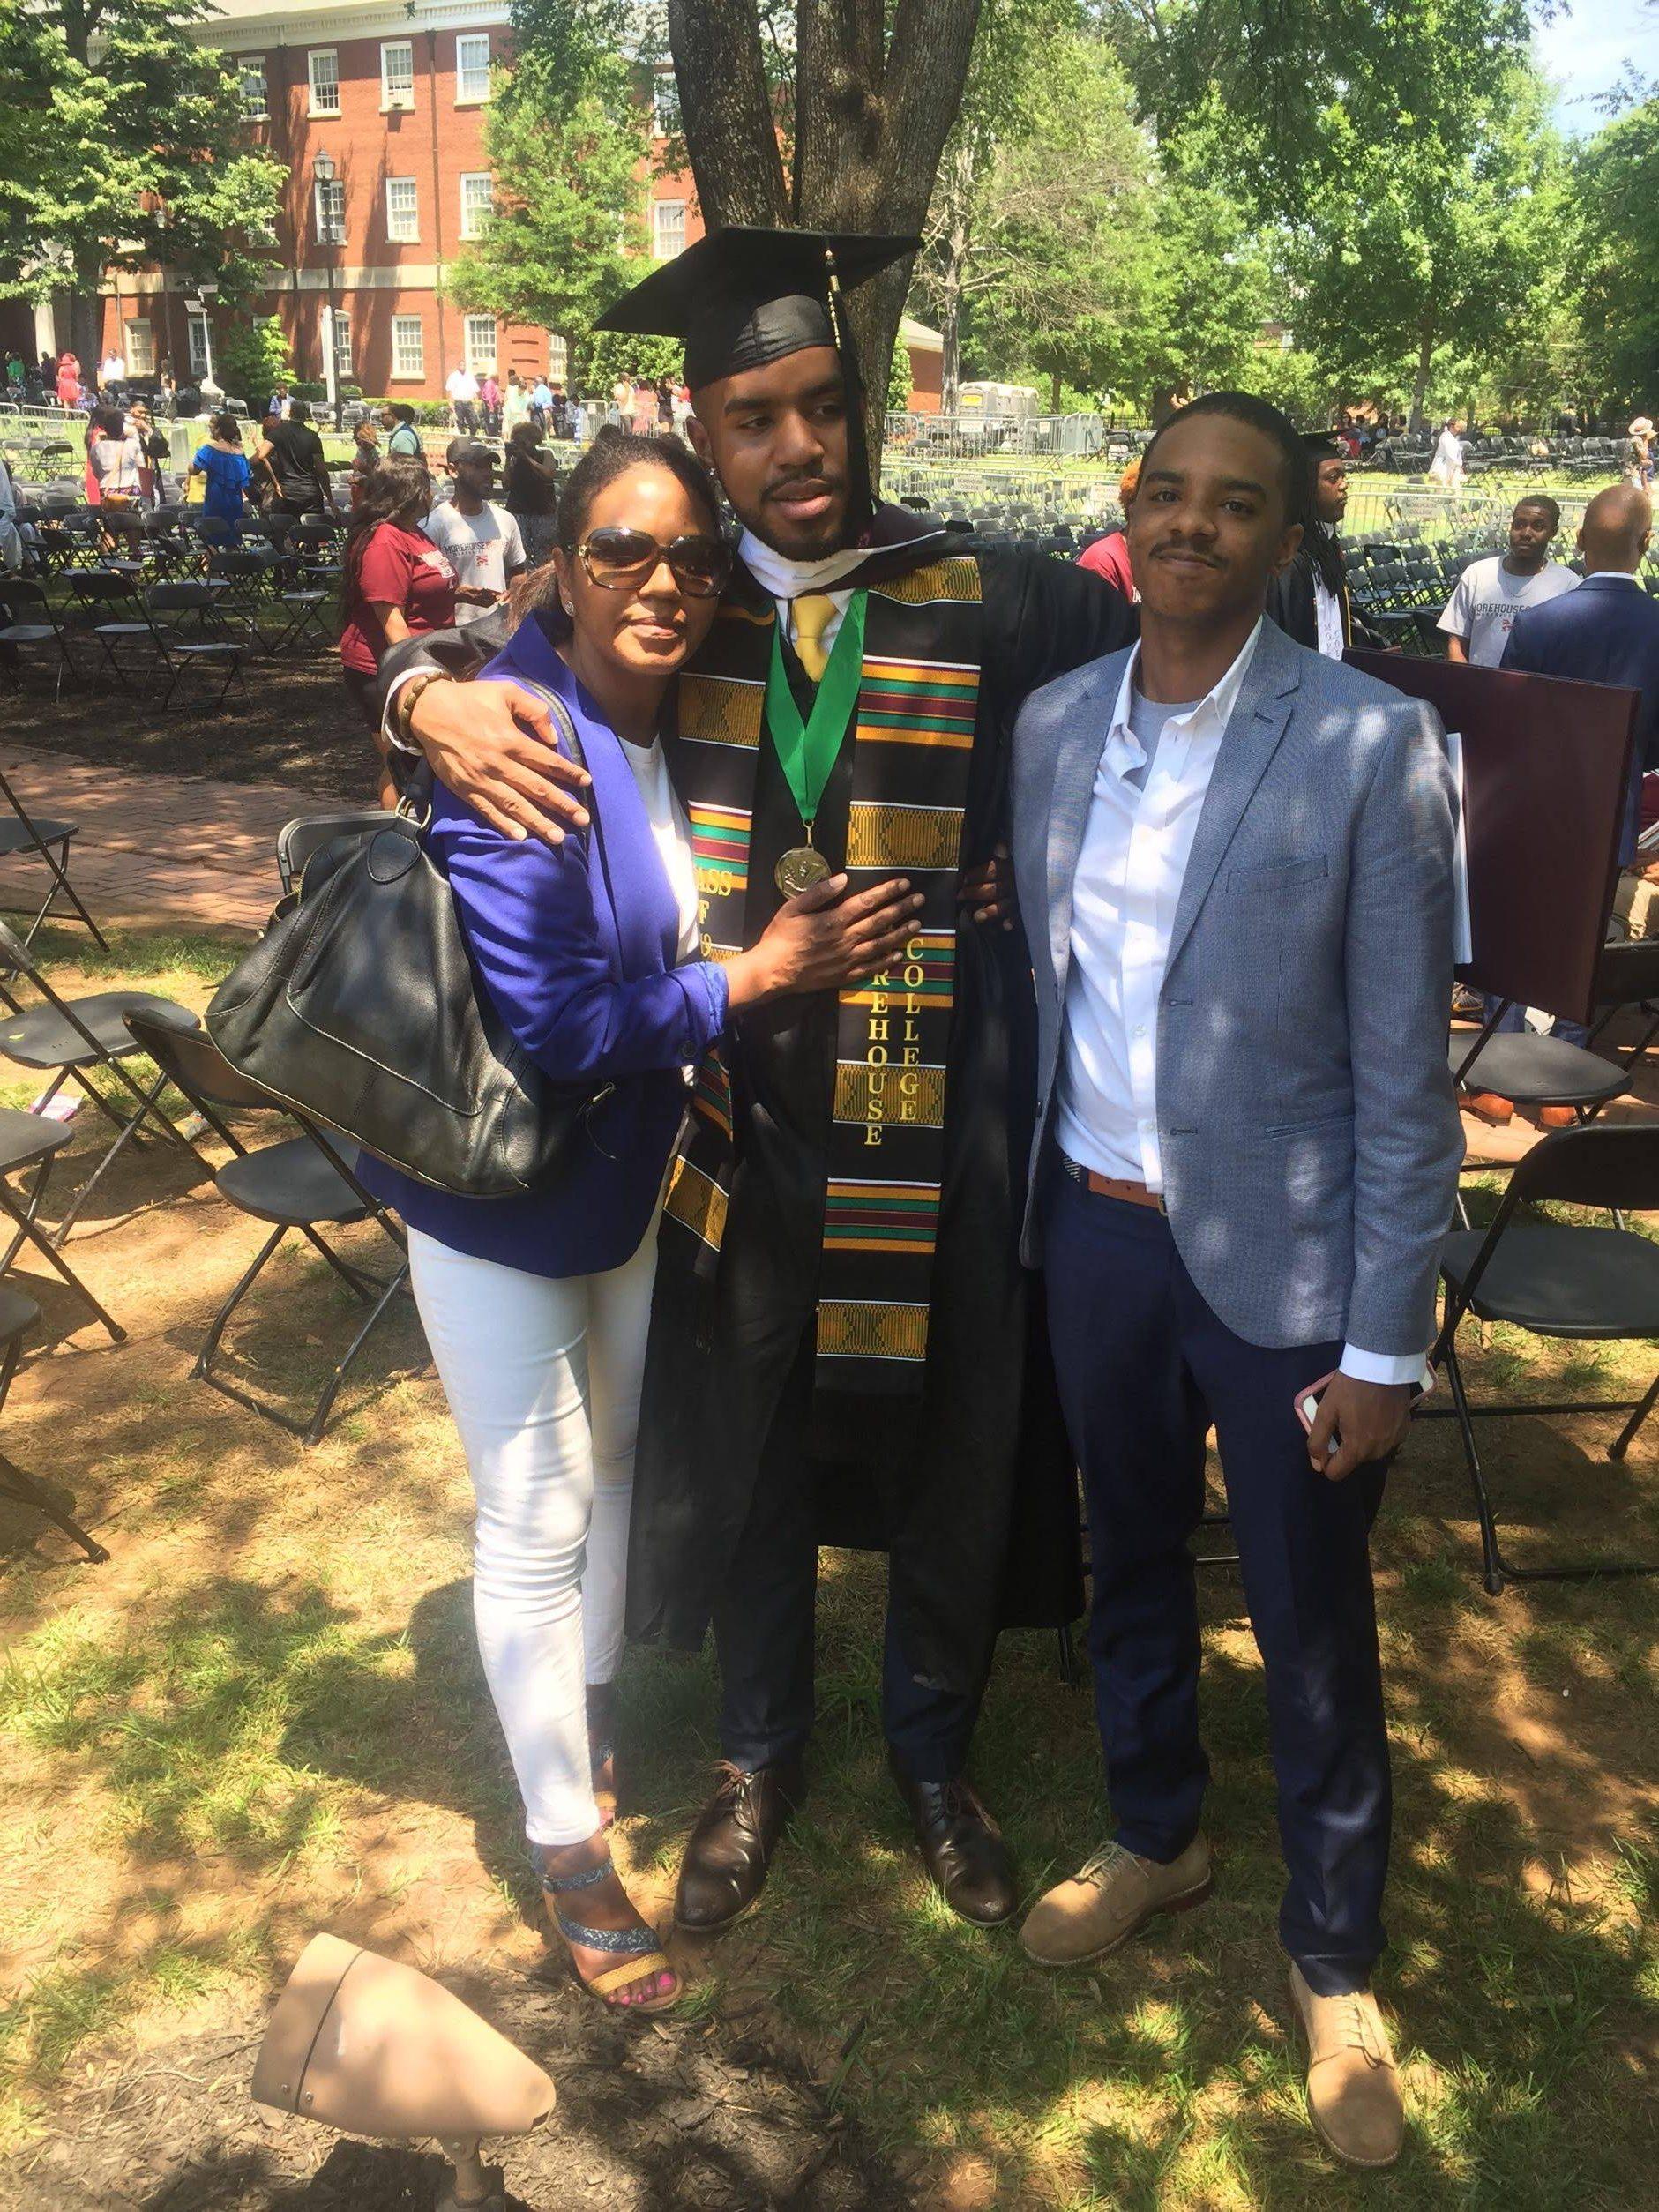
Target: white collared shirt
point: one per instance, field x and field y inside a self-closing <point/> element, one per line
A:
<point x="1130" y="870"/>
<point x="786" y="580"/>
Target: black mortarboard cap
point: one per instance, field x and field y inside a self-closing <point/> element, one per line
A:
<point x="1323" y="445"/>
<point x="742" y="297"/>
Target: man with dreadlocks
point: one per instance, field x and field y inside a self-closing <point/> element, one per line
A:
<point x="1309" y="600"/>
<point x="844" y="1348"/>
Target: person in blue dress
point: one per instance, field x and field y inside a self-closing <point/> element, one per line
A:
<point x="223" y="468"/>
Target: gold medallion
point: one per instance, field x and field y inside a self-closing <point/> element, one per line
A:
<point x="799" y="869"/>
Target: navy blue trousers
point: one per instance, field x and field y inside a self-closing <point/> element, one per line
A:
<point x="1514" y="1021"/>
<point x="1145" y="1368"/>
<point x="765" y="1633"/>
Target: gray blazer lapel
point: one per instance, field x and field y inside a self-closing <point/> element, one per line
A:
<point x="1248" y="743"/>
<point x="1078" y="744"/>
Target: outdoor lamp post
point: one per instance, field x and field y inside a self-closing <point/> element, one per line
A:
<point x="324" y="171"/>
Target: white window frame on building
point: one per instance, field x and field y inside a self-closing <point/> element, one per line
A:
<point x="255" y="93"/>
<point x="408" y="348"/>
<point x="667" y="238"/>
<point x="403" y="211"/>
<point x="325" y="97"/>
<point x="481" y="337"/>
<point x="558" y="358"/>
<point x="139" y="344"/>
<point x="329" y="208"/>
<point x="341" y="322"/>
<point x="472" y="69"/>
<point x="665" y="103"/>
<point x="197" y="337"/>
<point x="396" y="73"/>
<point x="472" y="216"/>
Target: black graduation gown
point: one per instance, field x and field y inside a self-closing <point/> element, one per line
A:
<point x="1291" y="604"/>
<point x="970" y="1486"/>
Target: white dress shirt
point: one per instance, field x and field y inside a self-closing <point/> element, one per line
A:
<point x="1130" y="870"/>
<point x="786" y="581"/>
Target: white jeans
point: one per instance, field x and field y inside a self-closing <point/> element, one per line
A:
<point x="543" y="1378"/>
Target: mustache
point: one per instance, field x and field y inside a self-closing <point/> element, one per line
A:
<point x="1188" y="552"/>
<point x="820" y="481"/>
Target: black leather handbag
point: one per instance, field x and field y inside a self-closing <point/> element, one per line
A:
<point x="360" y="1005"/>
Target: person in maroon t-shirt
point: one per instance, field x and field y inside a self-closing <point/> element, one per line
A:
<point x="397" y="584"/>
<point x="1109" y="556"/>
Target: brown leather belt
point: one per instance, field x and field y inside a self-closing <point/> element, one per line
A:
<point x="1112" y="1186"/>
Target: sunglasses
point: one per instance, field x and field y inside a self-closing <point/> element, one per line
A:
<point x="619" y="560"/>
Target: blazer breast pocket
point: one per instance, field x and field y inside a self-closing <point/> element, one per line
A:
<point x="1275" y="878"/>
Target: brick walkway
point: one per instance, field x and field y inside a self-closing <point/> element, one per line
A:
<point x="189" y="854"/>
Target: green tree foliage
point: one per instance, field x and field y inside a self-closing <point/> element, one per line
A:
<point x="123" y="145"/>
<point x="1075" y="252"/>
<point x="252" y="357"/>
<point x="566" y="137"/>
<point x="1617" y="189"/>
<point x="609" y="353"/>
<point x="1399" y="147"/>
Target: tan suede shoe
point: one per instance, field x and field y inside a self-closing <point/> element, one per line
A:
<point x="1116" y="1892"/>
<point x="1353" y="2098"/>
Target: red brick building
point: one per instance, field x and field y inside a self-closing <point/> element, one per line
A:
<point x="395" y="97"/>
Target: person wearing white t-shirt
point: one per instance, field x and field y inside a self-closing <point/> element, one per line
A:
<point x="1490" y="594"/>
<point x="462" y="387"/>
<point x="482" y="540"/>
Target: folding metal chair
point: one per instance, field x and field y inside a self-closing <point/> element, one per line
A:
<point x="18" y="1316"/>
<point x="300" y="1182"/>
<point x="1628" y="977"/>
<point x="71" y="1037"/>
<point x="30" y="1141"/>
<point x="180" y="655"/>
<point x="32" y="621"/>
<point x="50" y="839"/>
<point x="1555" y="1279"/>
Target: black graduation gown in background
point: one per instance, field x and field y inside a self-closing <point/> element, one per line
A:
<point x="970" y="1484"/>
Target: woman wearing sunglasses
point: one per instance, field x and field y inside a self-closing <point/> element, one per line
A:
<point x="537" y="1308"/>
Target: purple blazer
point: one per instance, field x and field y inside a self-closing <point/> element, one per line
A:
<point x="577" y="945"/>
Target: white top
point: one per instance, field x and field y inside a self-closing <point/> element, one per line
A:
<point x="1327" y="613"/>
<point x="1132" y="862"/>
<point x="460" y="384"/>
<point x="1488" y="596"/>
<point x="483" y="548"/>
<point x="673" y="835"/>
<point x="1448" y="451"/>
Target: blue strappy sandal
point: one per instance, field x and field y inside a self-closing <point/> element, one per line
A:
<point x="638" y="1949"/>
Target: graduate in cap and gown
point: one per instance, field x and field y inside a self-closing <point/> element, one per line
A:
<point x="1309" y="599"/>
<point x="844" y="1347"/>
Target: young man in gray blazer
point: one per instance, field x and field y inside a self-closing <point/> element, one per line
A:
<point x="1234" y="860"/>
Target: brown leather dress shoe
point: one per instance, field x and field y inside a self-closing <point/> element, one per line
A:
<point x="963" y="1847"/>
<point x="729" y="1853"/>
<point x="1489" y="1106"/>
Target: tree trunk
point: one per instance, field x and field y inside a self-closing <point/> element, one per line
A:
<point x="730" y="131"/>
<point x="951" y="332"/>
<point x="872" y="115"/>
<point x="87" y="324"/>
<point x="1054" y="392"/>
<point x="1426" y="357"/>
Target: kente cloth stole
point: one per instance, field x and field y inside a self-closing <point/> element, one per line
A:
<point x="913" y="731"/>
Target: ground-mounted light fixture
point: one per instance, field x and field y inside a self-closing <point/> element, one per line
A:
<point x="373" y="2048"/>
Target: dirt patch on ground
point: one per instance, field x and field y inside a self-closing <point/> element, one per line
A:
<point x="651" y="2117"/>
<point x="292" y="724"/>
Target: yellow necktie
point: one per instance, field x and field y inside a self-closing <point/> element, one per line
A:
<point x="812" y="613"/>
